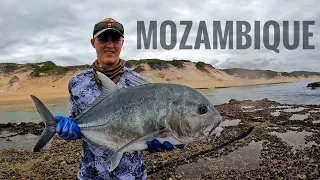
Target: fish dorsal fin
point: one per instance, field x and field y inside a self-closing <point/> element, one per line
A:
<point x="108" y="87"/>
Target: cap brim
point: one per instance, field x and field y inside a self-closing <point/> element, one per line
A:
<point x="107" y="29"/>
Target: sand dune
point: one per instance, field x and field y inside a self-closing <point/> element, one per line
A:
<point x="191" y="76"/>
<point x="53" y="89"/>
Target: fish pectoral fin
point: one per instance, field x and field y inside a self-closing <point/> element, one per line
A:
<point x="115" y="160"/>
<point x="135" y="145"/>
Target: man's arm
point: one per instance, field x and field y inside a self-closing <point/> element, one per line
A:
<point x="74" y="107"/>
<point x="66" y="128"/>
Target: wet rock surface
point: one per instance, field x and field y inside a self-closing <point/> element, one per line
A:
<point x="260" y="140"/>
<point x="314" y="84"/>
<point x="23" y="128"/>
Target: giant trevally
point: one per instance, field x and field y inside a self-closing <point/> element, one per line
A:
<point x="123" y="119"/>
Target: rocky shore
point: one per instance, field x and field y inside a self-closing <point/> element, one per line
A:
<point x="314" y="85"/>
<point x="261" y="140"/>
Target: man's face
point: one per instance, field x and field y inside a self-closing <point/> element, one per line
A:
<point x="108" y="46"/>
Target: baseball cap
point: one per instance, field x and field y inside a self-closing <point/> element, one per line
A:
<point x="107" y="24"/>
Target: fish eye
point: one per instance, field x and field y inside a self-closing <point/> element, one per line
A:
<point x="202" y="109"/>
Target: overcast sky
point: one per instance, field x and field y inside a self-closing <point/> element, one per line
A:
<point x="60" y="31"/>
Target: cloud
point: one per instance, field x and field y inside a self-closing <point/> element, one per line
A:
<point x="61" y="31"/>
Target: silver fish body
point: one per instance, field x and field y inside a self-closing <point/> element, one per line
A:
<point x="122" y="120"/>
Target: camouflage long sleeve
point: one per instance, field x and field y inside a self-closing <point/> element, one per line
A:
<point x="83" y="91"/>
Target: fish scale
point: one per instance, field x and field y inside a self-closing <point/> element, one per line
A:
<point x="123" y="119"/>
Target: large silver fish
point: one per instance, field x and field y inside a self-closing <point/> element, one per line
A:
<point x="123" y="119"/>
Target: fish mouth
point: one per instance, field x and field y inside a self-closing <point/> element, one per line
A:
<point x="215" y="131"/>
<point x="211" y="130"/>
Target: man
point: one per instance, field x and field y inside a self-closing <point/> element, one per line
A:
<point x="83" y="88"/>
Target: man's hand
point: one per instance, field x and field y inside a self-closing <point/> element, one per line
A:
<point x="66" y="128"/>
<point x="156" y="146"/>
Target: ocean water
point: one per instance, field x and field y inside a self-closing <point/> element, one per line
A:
<point x="289" y="93"/>
<point x="29" y="116"/>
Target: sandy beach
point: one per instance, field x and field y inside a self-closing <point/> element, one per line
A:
<point x="53" y="90"/>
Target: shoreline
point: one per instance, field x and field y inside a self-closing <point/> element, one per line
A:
<point x="247" y="85"/>
<point x="58" y="96"/>
<point x="253" y="82"/>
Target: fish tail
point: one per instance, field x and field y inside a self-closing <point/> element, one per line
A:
<point x="50" y="124"/>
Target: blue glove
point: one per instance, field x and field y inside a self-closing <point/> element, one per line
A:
<point x="66" y="128"/>
<point x="156" y="146"/>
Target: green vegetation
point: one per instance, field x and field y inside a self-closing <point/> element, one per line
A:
<point x="177" y="63"/>
<point x="269" y="74"/>
<point x="304" y="73"/>
<point x="254" y="74"/>
<point x="47" y="67"/>
<point x="50" y="68"/>
<point x="156" y="63"/>
<point x="200" y="65"/>
<point x="139" y="68"/>
<point x="130" y="63"/>
<point x="11" y="67"/>
<point x="8" y="67"/>
<point x="285" y="74"/>
<point x="251" y="74"/>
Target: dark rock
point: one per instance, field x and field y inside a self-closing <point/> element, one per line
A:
<point x="314" y="84"/>
<point x="232" y="100"/>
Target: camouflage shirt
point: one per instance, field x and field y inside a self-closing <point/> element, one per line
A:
<point x="83" y="90"/>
